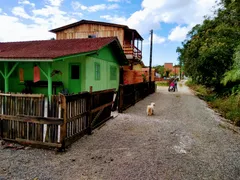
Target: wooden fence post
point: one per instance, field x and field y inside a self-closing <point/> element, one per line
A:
<point x="59" y="116"/>
<point x="63" y="127"/>
<point x="120" y="102"/>
<point x="89" y="108"/>
<point x="134" y="94"/>
<point x="45" y="115"/>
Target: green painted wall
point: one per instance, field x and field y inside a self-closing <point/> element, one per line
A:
<point x="63" y="66"/>
<point x="1" y="78"/>
<point x="104" y="82"/>
<point x="105" y="58"/>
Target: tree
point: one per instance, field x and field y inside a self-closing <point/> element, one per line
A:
<point x="159" y="69"/>
<point x="234" y="74"/>
<point x="207" y="53"/>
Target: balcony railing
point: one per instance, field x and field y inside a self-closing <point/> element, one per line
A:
<point x="132" y="52"/>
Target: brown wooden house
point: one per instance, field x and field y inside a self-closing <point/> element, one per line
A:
<point x="130" y="39"/>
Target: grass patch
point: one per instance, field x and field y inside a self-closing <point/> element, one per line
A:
<point x="162" y="83"/>
<point x="227" y="106"/>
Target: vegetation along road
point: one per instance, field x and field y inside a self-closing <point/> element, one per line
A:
<point x="183" y="140"/>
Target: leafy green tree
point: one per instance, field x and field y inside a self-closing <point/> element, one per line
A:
<point x="234" y="74"/>
<point x="159" y="69"/>
<point x="207" y="53"/>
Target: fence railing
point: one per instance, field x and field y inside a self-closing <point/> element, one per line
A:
<point x="131" y="94"/>
<point x="133" y="51"/>
<point x="33" y="120"/>
<point x="24" y="118"/>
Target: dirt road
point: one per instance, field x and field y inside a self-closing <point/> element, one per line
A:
<point x="183" y="140"/>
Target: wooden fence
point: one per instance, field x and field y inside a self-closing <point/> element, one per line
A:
<point x="33" y="120"/>
<point x="131" y="94"/>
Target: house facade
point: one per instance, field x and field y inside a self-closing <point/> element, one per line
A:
<point x="70" y="66"/>
<point x="130" y="39"/>
<point x="174" y="70"/>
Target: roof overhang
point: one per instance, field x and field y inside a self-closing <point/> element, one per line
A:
<point x="24" y="60"/>
<point x="62" y="58"/>
<point x="122" y="59"/>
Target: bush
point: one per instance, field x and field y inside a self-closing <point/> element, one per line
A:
<point x="228" y="105"/>
<point x="162" y="83"/>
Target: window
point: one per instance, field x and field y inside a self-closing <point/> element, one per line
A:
<point x="92" y="36"/>
<point x="75" y="72"/>
<point x="97" y="71"/>
<point x="113" y="73"/>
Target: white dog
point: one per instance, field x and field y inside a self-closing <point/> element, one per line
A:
<point x="150" y="109"/>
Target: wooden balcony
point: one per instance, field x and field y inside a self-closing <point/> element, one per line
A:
<point x="132" y="52"/>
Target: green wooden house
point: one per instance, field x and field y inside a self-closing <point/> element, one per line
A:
<point x="65" y="65"/>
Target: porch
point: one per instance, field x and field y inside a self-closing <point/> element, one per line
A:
<point x="132" y="45"/>
<point x="132" y="52"/>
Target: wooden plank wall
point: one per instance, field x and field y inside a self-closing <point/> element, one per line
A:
<point x="33" y="120"/>
<point x="25" y="120"/>
<point x="76" y="109"/>
<point x="133" y="93"/>
<point x="82" y="31"/>
<point x="101" y="106"/>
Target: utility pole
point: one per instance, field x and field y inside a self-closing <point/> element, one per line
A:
<point x="150" y="61"/>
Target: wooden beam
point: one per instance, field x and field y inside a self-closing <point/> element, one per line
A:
<point x="13" y="68"/>
<point x="63" y="128"/>
<point x="6" y="85"/>
<point x="2" y="74"/>
<point x="101" y="107"/>
<point x="33" y="119"/>
<point x="38" y="143"/>
<point x="77" y="117"/>
<point x="44" y="73"/>
<point x="133" y="39"/>
<point x="49" y="81"/>
<point x="104" y="91"/>
<point x="23" y="95"/>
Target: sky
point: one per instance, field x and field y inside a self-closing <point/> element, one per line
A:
<point x="171" y="20"/>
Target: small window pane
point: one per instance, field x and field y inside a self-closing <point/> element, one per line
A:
<point x="113" y="73"/>
<point x="75" y="72"/>
<point x="92" y="36"/>
<point x="97" y="71"/>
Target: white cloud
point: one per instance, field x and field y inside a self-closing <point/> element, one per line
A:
<point x="0" y="10"/>
<point x="56" y="3"/>
<point x="26" y="2"/>
<point x="117" y="1"/>
<point x="156" y="39"/>
<point x="40" y="21"/>
<point x="48" y="11"/>
<point x="78" y="14"/>
<point x="19" y="11"/>
<point x="113" y="0"/>
<point x="155" y="12"/>
<point x="14" y="30"/>
<point x="179" y="33"/>
<point x="115" y="19"/>
<point x="98" y="7"/>
<point x="77" y="5"/>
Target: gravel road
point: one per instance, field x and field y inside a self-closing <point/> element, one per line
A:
<point x="183" y="140"/>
